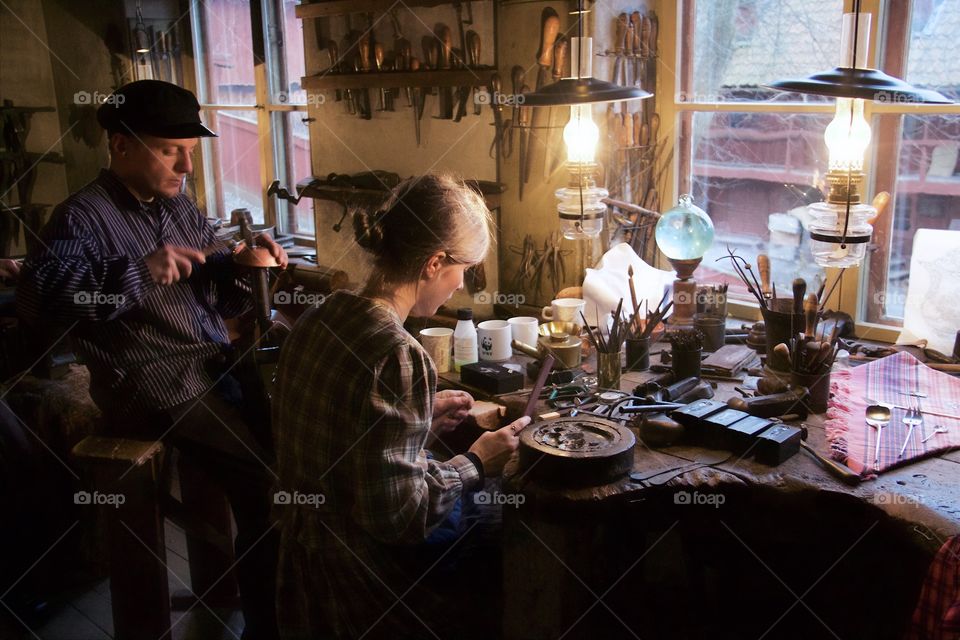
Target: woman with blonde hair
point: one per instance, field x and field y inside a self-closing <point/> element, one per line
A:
<point x="367" y="511"/>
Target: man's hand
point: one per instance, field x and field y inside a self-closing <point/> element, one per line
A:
<point x="170" y="264"/>
<point x="264" y="240"/>
<point x="450" y="407"/>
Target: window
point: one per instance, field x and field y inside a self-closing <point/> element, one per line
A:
<point x="916" y="154"/>
<point x="260" y="122"/>
<point x="754" y="157"/>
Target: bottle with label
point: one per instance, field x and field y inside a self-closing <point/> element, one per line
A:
<point x="464" y="339"/>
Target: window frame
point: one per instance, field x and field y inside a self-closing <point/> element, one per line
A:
<point x="889" y="37"/>
<point x="269" y="72"/>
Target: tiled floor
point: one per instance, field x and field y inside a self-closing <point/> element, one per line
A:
<point x="84" y="613"/>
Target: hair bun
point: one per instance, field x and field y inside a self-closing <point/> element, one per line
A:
<point x="368" y="229"/>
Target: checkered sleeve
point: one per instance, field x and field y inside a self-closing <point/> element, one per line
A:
<point x="402" y="495"/>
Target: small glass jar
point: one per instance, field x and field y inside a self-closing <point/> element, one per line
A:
<point x="608" y="370"/>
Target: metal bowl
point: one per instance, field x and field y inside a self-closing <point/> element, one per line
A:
<point x="559" y="329"/>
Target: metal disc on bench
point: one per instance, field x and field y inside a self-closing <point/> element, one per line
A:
<point x="576" y="451"/>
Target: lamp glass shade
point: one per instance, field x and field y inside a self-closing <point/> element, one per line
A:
<point x="847" y="136"/>
<point x="581" y="135"/>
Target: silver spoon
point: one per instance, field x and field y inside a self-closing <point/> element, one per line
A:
<point x="877" y="416"/>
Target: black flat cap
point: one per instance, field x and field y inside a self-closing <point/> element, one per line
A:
<point x="153" y="107"/>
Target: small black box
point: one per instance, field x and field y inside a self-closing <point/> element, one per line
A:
<point x="691" y="414"/>
<point x="714" y="427"/>
<point x="777" y="443"/>
<point x="742" y="433"/>
<point x="490" y="377"/>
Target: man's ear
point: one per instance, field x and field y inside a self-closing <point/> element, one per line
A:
<point x="119" y="144"/>
<point x="434" y="262"/>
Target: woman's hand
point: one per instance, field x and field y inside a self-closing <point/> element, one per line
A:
<point x="494" y="448"/>
<point x="450" y="407"/>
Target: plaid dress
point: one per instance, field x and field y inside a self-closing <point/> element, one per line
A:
<point x="358" y="494"/>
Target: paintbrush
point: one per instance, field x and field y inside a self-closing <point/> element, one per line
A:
<point x="633" y="299"/>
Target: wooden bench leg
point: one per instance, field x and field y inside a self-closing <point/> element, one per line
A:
<point x="125" y="476"/>
<point x="211" y="557"/>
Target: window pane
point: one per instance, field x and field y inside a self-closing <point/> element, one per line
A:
<point x="740" y="45"/>
<point x="286" y="55"/>
<point x="753" y="174"/>
<point x="292" y="151"/>
<point x="932" y="62"/>
<point x="234" y="163"/>
<point x="926" y="196"/>
<point x="226" y="54"/>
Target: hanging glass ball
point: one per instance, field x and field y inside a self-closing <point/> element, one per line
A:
<point x="684" y="232"/>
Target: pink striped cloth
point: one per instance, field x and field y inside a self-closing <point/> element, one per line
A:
<point x="889" y="381"/>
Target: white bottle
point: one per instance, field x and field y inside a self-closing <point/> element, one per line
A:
<point x="464" y="339"/>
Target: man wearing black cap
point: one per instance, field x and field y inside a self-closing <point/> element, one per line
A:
<point x="126" y="266"/>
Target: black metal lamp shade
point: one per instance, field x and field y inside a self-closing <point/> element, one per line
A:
<point x="571" y="91"/>
<point x="866" y="84"/>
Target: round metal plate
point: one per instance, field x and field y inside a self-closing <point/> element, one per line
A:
<point x="581" y="450"/>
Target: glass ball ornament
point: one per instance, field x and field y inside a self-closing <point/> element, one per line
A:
<point x="685" y="232"/>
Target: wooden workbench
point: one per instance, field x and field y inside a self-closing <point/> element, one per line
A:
<point x="791" y="551"/>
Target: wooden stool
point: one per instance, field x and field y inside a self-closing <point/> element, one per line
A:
<point x="132" y="476"/>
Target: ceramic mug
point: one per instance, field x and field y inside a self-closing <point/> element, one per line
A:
<point x="565" y="310"/>
<point x="438" y="342"/>
<point x="525" y="329"/>
<point x="493" y="340"/>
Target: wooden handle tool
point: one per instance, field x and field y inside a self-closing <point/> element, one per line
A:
<point x="549" y="28"/>
<point x="763" y="267"/>
<point x="810" y="308"/>
<point x="561" y="53"/>
<point x="799" y="291"/>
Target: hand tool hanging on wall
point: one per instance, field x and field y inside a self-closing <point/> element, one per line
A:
<point x="650" y="62"/>
<point x="431" y="58"/>
<point x="347" y="57"/>
<point x="620" y="41"/>
<point x="494" y="91"/>
<point x="561" y="52"/>
<point x="402" y="49"/>
<point x="459" y="61"/>
<point x="643" y="50"/>
<point x="462" y="93"/>
<point x="638" y="151"/>
<point x="524" y="140"/>
<point x="637" y="22"/>
<point x="473" y="59"/>
<point x="445" y="39"/>
<point x="378" y="61"/>
<point x="363" y="64"/>
<point x="417" y="100"/>
<point x="334" y="52"/>
<point x="175" y="51"/>
<point x="402" y="63"/>
<point x="517" y="77"/>
<point x="549" y="28"/>
<point x="494" y="87"/>
<point x="629" y="51"/>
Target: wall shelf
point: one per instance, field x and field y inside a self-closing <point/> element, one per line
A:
<point x="399" y="79"/>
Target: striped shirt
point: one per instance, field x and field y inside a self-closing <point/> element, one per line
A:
<point x="352" y="407"/>
<point x="148" y="347"/>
